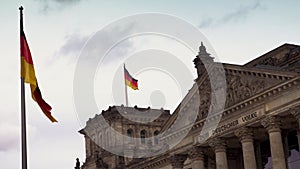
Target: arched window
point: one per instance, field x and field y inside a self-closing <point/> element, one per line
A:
<point x="143" y="136"/>
<point x="130" y="135"/>
<point x="156" y="137"/>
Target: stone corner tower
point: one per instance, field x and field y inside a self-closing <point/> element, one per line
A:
<point x="121" y="131"/>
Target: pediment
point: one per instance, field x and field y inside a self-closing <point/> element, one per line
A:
<point x="242" y="83"/>
<point x="285" y="57"/>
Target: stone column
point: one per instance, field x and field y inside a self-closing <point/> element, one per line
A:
<point x="219" y="147"/>
<point x="246" y="138"/>
<point x="272" y="124"/>
<point x="296" y="113"/>
<point x="197" y="157"/>
<point x="177" y="161"/>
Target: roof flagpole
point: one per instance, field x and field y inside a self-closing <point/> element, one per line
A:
<point x="126" y="94"/>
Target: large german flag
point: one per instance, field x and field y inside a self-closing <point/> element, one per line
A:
<point x="28" y="73"/>
<point x="130" y="81"/>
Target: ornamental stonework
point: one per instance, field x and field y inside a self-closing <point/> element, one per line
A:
<point x="240" y="86"/>
<point x="296" y="112"/>
<point x="196" y="153"/>
<point x="218" y="144"/>
<point x="245" y="134"/>
<point x="177" y="160"/>
<point x="271" y="123"/>
<point x="281" y="59"/>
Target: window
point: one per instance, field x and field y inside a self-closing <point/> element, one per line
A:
<point x="156" y="137"/>
<point x="143" y="136"/>
<point x="130" y="135"/>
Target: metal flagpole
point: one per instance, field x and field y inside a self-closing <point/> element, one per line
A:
<point x="23" y="115"/>
<point x="126" y="94"/>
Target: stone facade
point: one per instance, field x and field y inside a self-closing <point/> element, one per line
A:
<point x="123" y="131"/>
<point x="257" y="128"/>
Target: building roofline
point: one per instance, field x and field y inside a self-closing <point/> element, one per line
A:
<point x="262" y="57"/>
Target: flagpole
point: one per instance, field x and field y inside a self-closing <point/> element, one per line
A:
<point x="23" y="115"/>
<point x="126" y="94"/>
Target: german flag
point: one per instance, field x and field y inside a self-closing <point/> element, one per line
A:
<point x="130" y="81"/>
<point x="28" y="73"/>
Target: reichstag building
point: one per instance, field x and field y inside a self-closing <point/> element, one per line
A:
<point x="257" y="128"/>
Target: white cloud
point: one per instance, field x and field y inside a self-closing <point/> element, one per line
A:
<point x="48" y="5"/>
<point x="9" y="135"/>
<point x="237" y="15"/>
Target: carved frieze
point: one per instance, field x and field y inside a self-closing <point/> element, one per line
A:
<point x="240" y="86"/>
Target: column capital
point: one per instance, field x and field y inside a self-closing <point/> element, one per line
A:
<point x="245" y="134"/>
<point x="218" y="144"/>
<point x="196" y="153"/>
<point x="177" y="160"/>
<point x="295" y="111"/>
<point x="271" y="123"/>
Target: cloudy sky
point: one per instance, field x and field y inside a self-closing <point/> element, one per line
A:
<point x="58" y="32"/>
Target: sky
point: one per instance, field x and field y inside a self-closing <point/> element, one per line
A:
<point x="60" y="33"/>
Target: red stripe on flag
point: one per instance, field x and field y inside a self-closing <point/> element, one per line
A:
<point x="133" y="83"/>
<point x="25" y="51"/>
<point x="46" y="108"/>
<point x="28" y="73"/>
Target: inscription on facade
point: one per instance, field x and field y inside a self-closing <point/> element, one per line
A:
<point x="236" y="122"/>
<point x="232" y="124"/>
<point x="248" y="117"/>
<point x="225" y="127"/>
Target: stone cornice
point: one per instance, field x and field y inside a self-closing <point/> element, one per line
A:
<point x="151" y="162"/>
<point x="160" y="160"/>
<point x="284" y="75"/>
<point x="184" y="102"/>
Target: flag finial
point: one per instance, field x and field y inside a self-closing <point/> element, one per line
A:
<point x="21" y="8"/>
